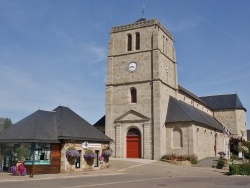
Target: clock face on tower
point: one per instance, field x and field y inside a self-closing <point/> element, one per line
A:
<point x="132" y="66"/>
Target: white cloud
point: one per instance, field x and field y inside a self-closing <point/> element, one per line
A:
<point x="95" y="54"/>
<point x="183" y="25"/>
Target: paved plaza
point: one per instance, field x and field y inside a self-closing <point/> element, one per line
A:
<point x="135" y="172"/>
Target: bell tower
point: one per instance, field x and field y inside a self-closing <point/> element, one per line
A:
<point x="141" y="75"/>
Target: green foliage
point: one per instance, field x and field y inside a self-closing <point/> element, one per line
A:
<point x="234" y="169"/>
<point x="243" y="149"/>
<point x="221" y="163"/>
<point x="171" y="156"/>
<point x="192" y="158"/>
<point x="234" y="143"/>
<point x="234" y="147"/>
<point x="245" y="169"/>
<point x="71" y="148"/>
<point x="89" y="151"/>
<point x="239" y="169"/>
<point x="22" y="152"/>
<point x="234" y="157"/>
<point x="247" y="144"/>
<point x="7" y="123"/>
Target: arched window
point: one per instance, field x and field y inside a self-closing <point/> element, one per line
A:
<point x="129" y="42"/>
<point x="177" y="138"/>
<point x="137" y="44"/>
<point x="133" y="132"/>
<point x="133" y="95"/>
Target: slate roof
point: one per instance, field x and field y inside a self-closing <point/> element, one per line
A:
<point x="179" y="111"/>
<point x="218" y="102"/>
<point x="51" y="127"/>
<point x="100" y="122"/>
<point x="72" y="126"/>
<point x="189" y="93"/>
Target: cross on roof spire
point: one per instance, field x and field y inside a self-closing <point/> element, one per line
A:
<point x="143" y="9"/>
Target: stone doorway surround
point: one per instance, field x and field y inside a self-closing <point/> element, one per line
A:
<point x="123" y="124"/>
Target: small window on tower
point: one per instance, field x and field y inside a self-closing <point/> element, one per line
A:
<point x="137" y="37"/>
<point x="129" y="42"/>
<point x="133" y="95"/>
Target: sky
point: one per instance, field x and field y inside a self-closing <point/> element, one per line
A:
<point x="54" y="52"/>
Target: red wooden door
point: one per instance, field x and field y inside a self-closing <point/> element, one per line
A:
<point x="133" y="146"/>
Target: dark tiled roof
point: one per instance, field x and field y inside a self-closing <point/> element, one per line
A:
<point x="218" y="102"/>
<point x="100" y="122"/>
<point x="51" y="126"/>
<point x="189" y="93"/>
<point x="179" y="111"/>
<point x="38" y="127"/>
<point x="72" y="126"/>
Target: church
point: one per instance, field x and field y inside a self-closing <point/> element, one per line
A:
<point x="148" y="113"/>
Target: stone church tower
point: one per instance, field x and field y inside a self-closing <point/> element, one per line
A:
<point x="148" y="114"/>
<point x="142" y="74"/>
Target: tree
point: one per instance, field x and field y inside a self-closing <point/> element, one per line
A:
<point x="22" y="152"/>
<point x="7" y="122"/>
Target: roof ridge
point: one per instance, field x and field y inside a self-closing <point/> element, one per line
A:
<point x="219" y="95"/>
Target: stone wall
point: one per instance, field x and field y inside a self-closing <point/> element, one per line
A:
<point x="196" y="139"/>
<point x="241" y="123"/>
<point x="67" y="167"/>
<point x="234" y="120"/>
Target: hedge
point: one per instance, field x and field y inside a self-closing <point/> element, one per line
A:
<point x="239" y="169"/>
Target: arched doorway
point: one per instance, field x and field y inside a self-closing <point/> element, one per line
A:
<point x="133" y="143"/>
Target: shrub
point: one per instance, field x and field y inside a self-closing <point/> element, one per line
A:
<point x="247" y="155"/>
<point x="239" y="169"/>
<point x="245" y="169"/>
<point x="234" y="142"/>
<point x="234" y="157"/>
<point x="22" y="152"/>
<point x="181" y="158"/>
<point x="192" y="158"/>
<point x="243" y="149"/>
<point x="221" y="163"/>
<point x="170" y="156"/>
<point x="234" y="169"/>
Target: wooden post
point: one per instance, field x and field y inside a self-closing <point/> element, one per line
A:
<point x="33" y="160"/>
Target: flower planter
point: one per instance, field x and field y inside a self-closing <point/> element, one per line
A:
<point x="89" y="156"/>
<point x="71" y="155"/>
<point x="106" y="159"/>
<point x="90" y="161"/>
<point x="71" y="160"/>
<point x="180" y="163"/>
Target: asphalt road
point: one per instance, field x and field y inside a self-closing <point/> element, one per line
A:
<point x="137" y="175"/>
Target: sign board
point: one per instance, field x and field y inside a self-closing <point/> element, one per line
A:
<point x="86" y="145"/>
